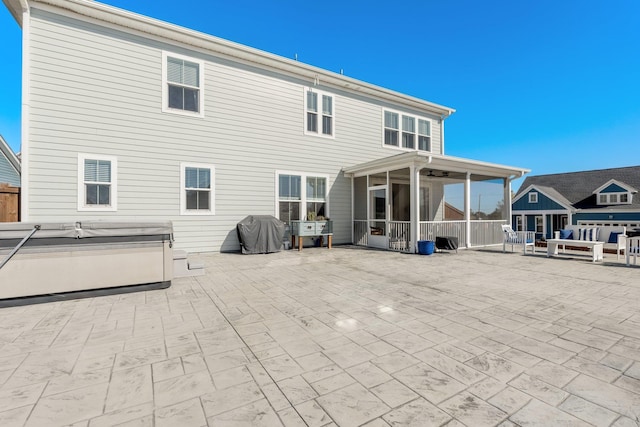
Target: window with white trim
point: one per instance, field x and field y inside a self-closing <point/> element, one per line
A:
<point x="533" y="197"/>
<point x="406" y="131"/>
<point x="97" y="182"/>
<point x="196" y="189"/>
<point x="182" y="85"/>
<point x="424" y="135"/>
<point x="539" y="224"/>
<point x="319" y="116"/>
<point x="614" y="199"/>
<point x="301" y="196"/>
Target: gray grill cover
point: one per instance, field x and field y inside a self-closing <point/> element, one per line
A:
<point x="260" y="234"/>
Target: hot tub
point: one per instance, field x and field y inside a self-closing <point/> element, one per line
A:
<point x="76" y="259"/>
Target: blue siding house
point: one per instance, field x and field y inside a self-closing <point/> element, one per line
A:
<point x="546" y="203"/>
<point x="9" y="165"/>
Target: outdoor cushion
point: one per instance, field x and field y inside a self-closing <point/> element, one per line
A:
<point x="613" y="237"/>
<point x="590" y="234"/>
<point x="566" y="234"/>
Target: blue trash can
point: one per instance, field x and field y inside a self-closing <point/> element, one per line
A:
<point x="426" y="247"/>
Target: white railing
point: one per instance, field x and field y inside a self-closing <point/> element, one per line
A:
<point x="360" y="232"/>
<point x="487" y="232"/>
<point x="483" y="232"/>
<point x="429" y="230"/>
<point x="400" y="236"/>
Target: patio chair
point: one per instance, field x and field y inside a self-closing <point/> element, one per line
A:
<point x="518" y="238"/>
<point x="632" y="249"/>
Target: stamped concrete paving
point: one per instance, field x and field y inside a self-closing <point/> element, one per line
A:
<point x="343" y="337"/>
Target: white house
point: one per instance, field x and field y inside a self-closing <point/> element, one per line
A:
<point x="130" y="118"/>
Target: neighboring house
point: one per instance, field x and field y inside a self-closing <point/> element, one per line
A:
<point x="9" y="165"/>
<point x="546" y="203"/>
<point x="131" y="118"/>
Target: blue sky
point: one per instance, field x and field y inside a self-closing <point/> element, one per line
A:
<point x="552" y="86"/>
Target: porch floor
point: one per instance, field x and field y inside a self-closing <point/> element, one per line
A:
<point x="345" y="337"/>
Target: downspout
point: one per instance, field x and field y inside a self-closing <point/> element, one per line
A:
<point x="25" y="111"/>
<point x="353" y="212"/>
<point x="441" y="136"/>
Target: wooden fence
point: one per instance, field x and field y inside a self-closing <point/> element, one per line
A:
<point x="9" y="203"/>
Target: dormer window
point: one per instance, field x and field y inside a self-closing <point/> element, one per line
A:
<point x="614" y="193"/>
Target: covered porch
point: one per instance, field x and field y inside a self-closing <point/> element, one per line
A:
<point x="402" y="199"/>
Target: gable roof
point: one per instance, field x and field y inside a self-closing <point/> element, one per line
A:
<point x="9" y="165"/>
<point x="578" y="187"/>
<point x="9" y="154"/>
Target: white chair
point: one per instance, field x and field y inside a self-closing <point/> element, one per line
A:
<point x="518" y="238"/>
<point x="632" y="249"/>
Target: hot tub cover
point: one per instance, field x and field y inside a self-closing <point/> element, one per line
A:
<point x="260" y="234"/>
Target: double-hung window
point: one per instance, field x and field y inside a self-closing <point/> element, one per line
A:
<point x="319" y="113"/>
<point x="301" y="196"/>
<point x="391" y="126"/>
<point x="182" y="85"/>
<point x="424" y="135"/>
<point x="197" y="189"/>
<point x="406" y="131"/>
<point x="97" y="182"/>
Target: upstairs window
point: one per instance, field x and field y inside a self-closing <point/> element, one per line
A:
<point x="391" y="126"/>
<point x="319" y="113"/>
<point x="96" y="183"/>
<point x="424" y="135"/>
<point x="533" y="197"/>
<point x="406" y="131"/>
<point x="182" y="85"/>
<point x="196" y="189"/>
<point x="614" y="198"/>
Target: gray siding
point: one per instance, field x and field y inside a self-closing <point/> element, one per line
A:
<point x="8" y="173"/>
<point x="96" y="90"/>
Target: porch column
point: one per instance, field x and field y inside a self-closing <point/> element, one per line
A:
<point x="467" y="209"/>
<point x="507" y="201"/>
<point x="414" y="215"/>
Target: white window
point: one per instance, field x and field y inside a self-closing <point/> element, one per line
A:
<point x="301" y="196"/>
<point x="182" y="91"/>
<point x="533" y="197"/>
<point x="424" y="135"/>
<point x="97" y="183"/>
<point x="613" y="198"/>
<point x="196" y="189"/>
<point x="319" y="116"/>
<point x="539" y="224"/>
<point x="391" y="126"/>
<point x="406" y="131"/>
<point x="518" y="225"/>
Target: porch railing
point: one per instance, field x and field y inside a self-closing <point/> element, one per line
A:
<point x="483" y="232"/>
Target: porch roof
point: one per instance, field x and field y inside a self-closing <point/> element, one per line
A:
<point x="421" y="160"/>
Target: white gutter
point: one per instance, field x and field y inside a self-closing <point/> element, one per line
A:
<point x="207" y="44"/>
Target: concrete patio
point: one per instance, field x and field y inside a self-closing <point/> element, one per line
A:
<point x="344" y="337"/>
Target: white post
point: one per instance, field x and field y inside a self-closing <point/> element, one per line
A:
<point x="467" y="209"/>
<point x="507" y="201"/>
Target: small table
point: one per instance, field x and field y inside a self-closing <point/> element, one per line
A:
<point x="596" y="247"/>
<point x="447" y="243"/>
